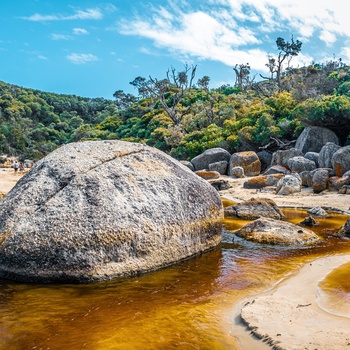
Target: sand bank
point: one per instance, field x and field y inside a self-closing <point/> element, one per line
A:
<point x="289" y="317"/>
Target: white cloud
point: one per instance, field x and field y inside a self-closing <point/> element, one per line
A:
<point x="237" y="31"/>
<point x="80" y="31"/>
<point x="94" y="14"/>
<point x="41" y="57"/>
<point x="81" y="58"/>
<point x="60" y="37"/>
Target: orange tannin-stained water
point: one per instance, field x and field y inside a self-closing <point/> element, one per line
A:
<point x="185" y="306"/>
<point x="335" y="291"/>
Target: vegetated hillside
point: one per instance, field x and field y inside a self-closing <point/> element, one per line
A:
<point x="239" y="117"/>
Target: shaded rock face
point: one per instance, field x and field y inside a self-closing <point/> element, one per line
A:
<point x="313" y="138"/>
<point x="98" y="209"/>
<point x="220" y="167"/>
<point x="341" y="161"/>
<point x="254" y="209"/>
<point x="326" y="154"/>
<point x="276" y="232"/>
<point x="320" y="180"/>
<point x="282" y="157"/>
<point x="212" y="155"/>
<point x="248" y="160"/>
<point x="314" y="156"/>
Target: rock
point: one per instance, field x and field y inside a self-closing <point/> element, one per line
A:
<point x="341" y="161"/>
<point x="320" y="180"/>
<point x="237" y="172"/>
<point x="248" y="160"/>
<point x="313" y="138"/>
<point x="276" y="232"/>
<point x="220" y="167"/>
<point x="326" y="154"/>
<point x="312" y="173"/>
<point x="318" y="211"/>
<point x="308" y="221"/>
<point x="276" y="169"/>
<point x="262" y="181"/>
<point x="220" y="184"/>
<point x="98" y="209"/>
<point x="345" y="229"/>
<point x="305" y="178"/>
<point x="210" y="156"/>
<point x="299" y="164"/>
<point x="335" y="182"/>
<point x="344" y="190"/>
<point x="265" y="159"/>
<point x="255" y="208"/>
<point x="314" y="156"/>
<point x="282" y="157"/>
<point x="188" y="164"/>
<point x="288" y="184"/>
<point x="208" y="175"/>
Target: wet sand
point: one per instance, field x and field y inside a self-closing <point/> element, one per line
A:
<point x="290" y="317"/>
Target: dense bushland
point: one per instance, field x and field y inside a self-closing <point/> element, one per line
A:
<point x="239" y="117"/>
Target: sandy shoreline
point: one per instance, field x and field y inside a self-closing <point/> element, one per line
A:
<point x="305" y="199"/>
<point x="290" y="317"/>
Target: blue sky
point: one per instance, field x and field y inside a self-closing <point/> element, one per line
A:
<point x="92" y="48"/>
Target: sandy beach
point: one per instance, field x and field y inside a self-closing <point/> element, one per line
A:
<point x="289" y="316"/>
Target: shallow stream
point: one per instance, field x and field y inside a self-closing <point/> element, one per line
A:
<point x="185" y="306"/>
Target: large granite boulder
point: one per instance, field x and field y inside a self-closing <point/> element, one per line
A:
<point x="212" y="155"/>
<point x="341" y="161"/>
<point x="282" y="157"/>
<point x="255" y="208"/>
<point x="248" y="160"/>
<point x="313" y="138"/>
<point x="326" y="154"/>
<point x="276" y="232"/>
<point x="98" y="209"/>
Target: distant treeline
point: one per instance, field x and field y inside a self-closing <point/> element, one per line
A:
<point x="182" y="118"/>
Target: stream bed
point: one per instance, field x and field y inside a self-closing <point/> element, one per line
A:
<point x="185" y="306"/>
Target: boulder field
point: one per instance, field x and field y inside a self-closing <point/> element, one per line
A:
<point x="99" y="209"/>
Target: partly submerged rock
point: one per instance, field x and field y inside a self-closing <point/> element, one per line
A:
<point x="318" y="211"/>
<point x="345" y="229"/>
<point x="255" y="208"/>
<point x="276" y="232"/>
<point x="98" y="209"/>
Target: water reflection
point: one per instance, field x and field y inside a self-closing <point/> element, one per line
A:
<point x="185" y="306"/>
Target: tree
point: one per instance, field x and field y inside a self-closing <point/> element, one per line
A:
<point x="287" y="50"/>
<point x="243" y="80"/>
<point x="123" y="100"/>
<point x="203" y="83"/>
<point x="168" y="91"/>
